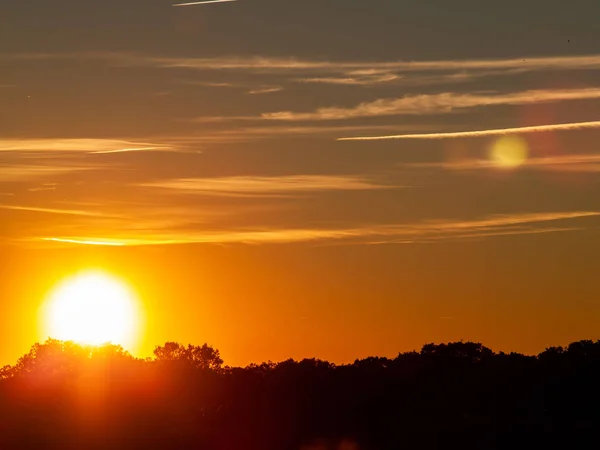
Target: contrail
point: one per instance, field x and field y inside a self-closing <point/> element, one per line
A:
<point x="495" y="132"/>
<point x="204" y="3"/>
<point x="126" y="150"/>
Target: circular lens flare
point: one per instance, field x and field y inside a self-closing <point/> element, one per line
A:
<point x="510" y="151"/>
<point x="92" y="308"/>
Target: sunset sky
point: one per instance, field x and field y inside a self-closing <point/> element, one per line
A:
<point x="219" y="159"/>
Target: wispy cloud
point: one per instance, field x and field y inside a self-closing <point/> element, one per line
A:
<point x="483" y="133"/>
<point x="273" y="64"/>
<point x="266" y="90"/>
<point x="473" y="235"/>
<point x="365" y="78"/>
<point x="70" y="212"/>
<point x="375" y="77"/>
<point x="436" y="104"/>
<point x="214" y="84"/>
<point x="204" y="3"/>
<point x="363" y="73"/>
<point x="26" y="159"/>
<point x="504" y="220"/>
<point x="250" y="88"/>
<point x="570" y="163"/>
<point x="421" y="232"/>
<point x="357" y="78"/>
<point x="277" y="130"/>
<point x="44" y="188"/>
<point x="77" y="145"/>
<point x="23" y="172"/>
<point x="266" y="185"/>
<point x="86" y="242"/>
<point x="260" y="63"/>
<point x="464" y="76"/>
<point x="132" y="149"/>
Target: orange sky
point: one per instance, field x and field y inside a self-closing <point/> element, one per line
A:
<point x="338" y="303"/>
<point x="282" y="180"/>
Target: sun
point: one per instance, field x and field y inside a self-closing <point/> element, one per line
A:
<point x="92" y="308"/>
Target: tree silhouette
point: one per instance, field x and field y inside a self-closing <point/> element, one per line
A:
<point x="55" y="357"/>
<point x="199" y="357"/>
<point x="449" y="395"/>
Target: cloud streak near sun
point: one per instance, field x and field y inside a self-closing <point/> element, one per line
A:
<point x="483" y="133"/>
<point x="561" y="163"/>
<point x="410" y="233"/>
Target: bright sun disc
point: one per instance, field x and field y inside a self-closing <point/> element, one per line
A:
<point x="92" y="308"/>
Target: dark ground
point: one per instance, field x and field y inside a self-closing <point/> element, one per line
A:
<point x="458" y="395"/>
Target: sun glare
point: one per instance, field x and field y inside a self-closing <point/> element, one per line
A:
<point x="510" y="151"/>
<point x="92" y="308"/>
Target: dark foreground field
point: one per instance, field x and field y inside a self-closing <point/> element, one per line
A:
<point x="458" y="395"/>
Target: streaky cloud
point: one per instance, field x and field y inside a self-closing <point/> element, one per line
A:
<point x="476" y="235"/>
<point x="42" y="189"/>
<point x="22" y="172"/>
<point x="266" y="185"/>
<point x="264" y="63"/>
<point x="204" y="3"/>
<point x="126" y="150"/>
<point x="70" y="212"/>
<point x="565" y="163"/>
<point x="352" y="68"/>
<point x="251" y="88"/>
<point x="420" y="232"/>
<point x="354" y="79"/>
<point x="237" y="134"/>
<point x="483" y="133"/>
<point x="77" y="145"/>
<point x="86" y="242"/>
<point x="266" y="90"/>
<point x="371" y="78"/>
<point x="435" y="104"/>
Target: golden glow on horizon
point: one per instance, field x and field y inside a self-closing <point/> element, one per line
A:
<point x="92" y="308"/>
<point x="510" y="151"/>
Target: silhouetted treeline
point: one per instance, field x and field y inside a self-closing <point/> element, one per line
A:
<point x="458" y="395"/>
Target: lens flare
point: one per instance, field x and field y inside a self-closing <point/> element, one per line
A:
<point x="509" y="151"/>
